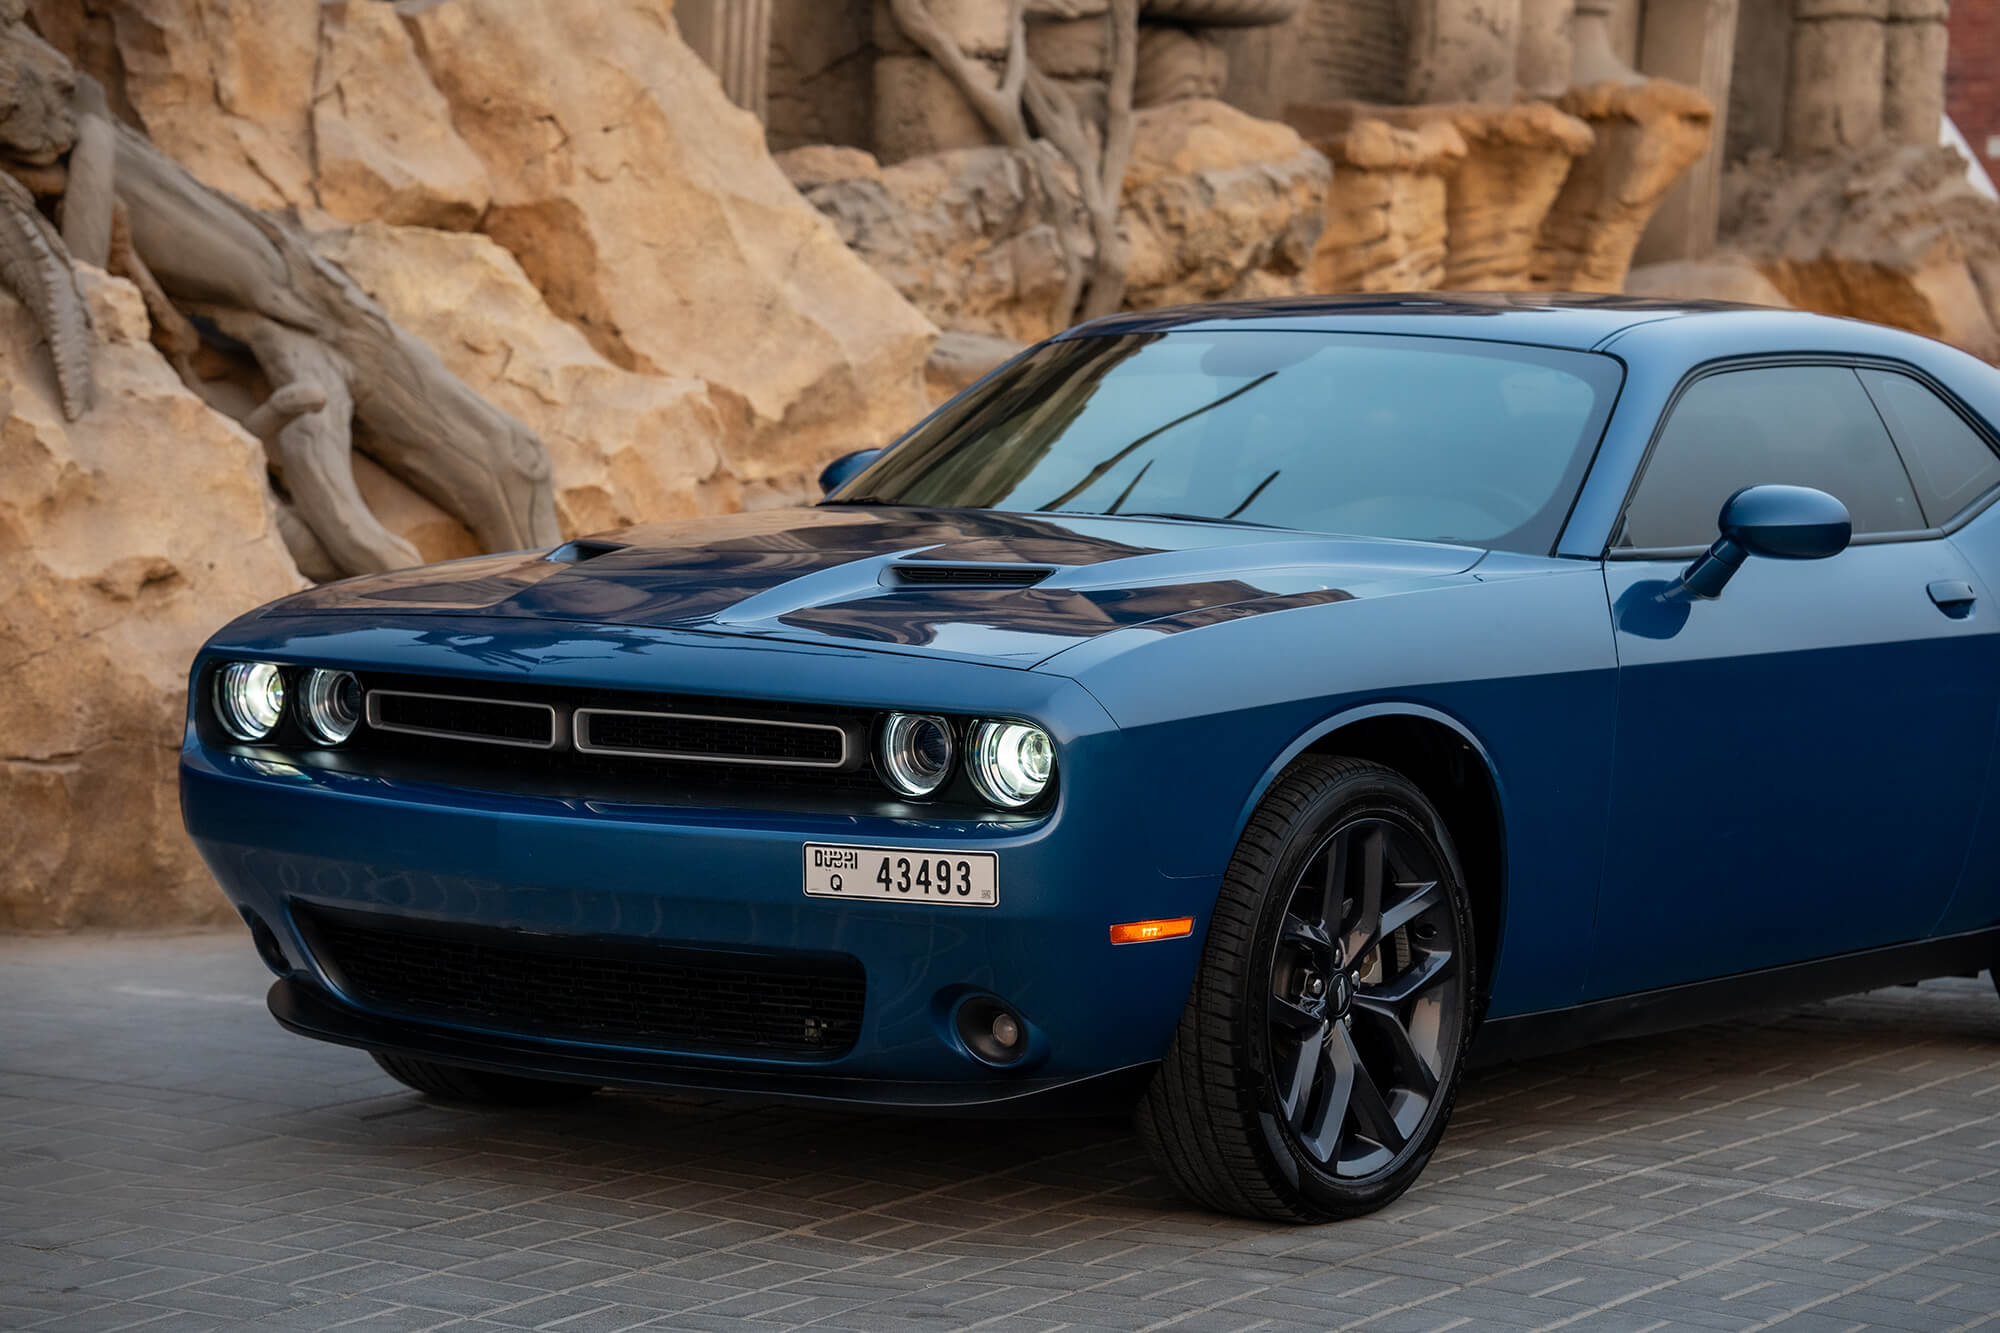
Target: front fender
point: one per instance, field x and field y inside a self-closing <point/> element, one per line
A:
<point x="1519" y="662"/>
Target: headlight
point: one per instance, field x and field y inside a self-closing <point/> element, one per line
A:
<point x="915" y="752"/>
<point x="331" y="704"/>
<point x="249" y="699"/>
<point x="1011" y="762"/>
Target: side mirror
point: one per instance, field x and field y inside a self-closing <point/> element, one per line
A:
<point x="844" y="468"/>
<point x="1781" y="522"/>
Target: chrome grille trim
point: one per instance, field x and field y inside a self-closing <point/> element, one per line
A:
<point x="372" y="710"/>
<point x="580" y="738"/>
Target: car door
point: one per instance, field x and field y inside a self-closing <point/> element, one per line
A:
<point x="1797" y="762"/>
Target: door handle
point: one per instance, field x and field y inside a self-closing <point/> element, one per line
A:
<point x="1954" y="597"/>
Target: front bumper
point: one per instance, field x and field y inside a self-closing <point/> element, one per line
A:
<point x="280" y="835"/>
<point x="303" y="1007"/>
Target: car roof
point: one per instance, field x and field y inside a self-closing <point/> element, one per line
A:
<point x="1548" y="319"/>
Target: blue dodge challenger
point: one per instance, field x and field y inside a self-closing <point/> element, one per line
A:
<point x="1252" y="713"/>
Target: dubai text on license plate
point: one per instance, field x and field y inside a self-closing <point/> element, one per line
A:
<point x="903" y="874"/>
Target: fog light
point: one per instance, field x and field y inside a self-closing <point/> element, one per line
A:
<point x="991" y="1031"/>
<point x="267" y="944"/>
<point x="249" y="699"/>
<point x="915" y="752"/>
<point x="331" y="705"/>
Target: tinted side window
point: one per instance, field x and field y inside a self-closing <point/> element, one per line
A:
<point x="1799" y="425"/>
<point x="1949" y="462"/>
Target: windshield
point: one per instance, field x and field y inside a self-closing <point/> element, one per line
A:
<point x="1432" y="439"/>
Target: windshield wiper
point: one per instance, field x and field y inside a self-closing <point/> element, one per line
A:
<point x="1187" y="518"/>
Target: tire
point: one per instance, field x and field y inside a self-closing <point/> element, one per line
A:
<point x="1246" y="1115"/>
<point x="1223" y="13"/>
<point x="477" y="1087"/>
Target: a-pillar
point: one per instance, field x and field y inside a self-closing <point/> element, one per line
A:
<point x="1691" y="42"/>
<point x="1914" y="49"/>
<point x="734" y="38"/>
<point x="1463" y="50"/>
<point x="1835" y="100"/>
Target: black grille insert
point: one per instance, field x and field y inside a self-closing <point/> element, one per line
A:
<point x="701" y="738"/>
<point x="587" y="989"/>
<point x="462" y="718"/>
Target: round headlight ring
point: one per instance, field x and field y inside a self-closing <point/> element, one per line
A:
<point x="250" y="699"/>
<point x="331" y="705"/>
<point x="915" y="752"/>
<point x="1012" y="763"/>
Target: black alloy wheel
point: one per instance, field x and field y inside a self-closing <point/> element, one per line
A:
<point x="1366" y="997"/>
<point x="1316" y="1063"/>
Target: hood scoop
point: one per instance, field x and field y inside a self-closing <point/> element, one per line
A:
<point x="580" y="550"/>
<point x="937" y="574"/>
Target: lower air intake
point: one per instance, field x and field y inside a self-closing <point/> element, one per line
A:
<point x="594" y="990"/>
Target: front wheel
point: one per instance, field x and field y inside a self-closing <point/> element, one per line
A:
<point x="1316" y="1063"/>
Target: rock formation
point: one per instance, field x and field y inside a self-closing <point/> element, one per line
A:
<point x="648" y="295"/>
<point x="1895" y="235"/>
<point x="383" y="141"/>
<point x="1219" y="205"/>
<point x="1385" y="222"/>
<point x="106" y="587"/>
<point x="627" y="447"/>
<point x="1645" y="136"/>
<point x="1501" y="178"/>
<point x="423" y="119"/>
<point x="1724" y="277"/>
<point x="1216" y="204"/>
<point x="922" y="107"/>
<point x="648" y="213"/>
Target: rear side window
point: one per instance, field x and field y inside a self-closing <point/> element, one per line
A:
<point x="1796" y="425"/>
<point x="1950" y="463"/>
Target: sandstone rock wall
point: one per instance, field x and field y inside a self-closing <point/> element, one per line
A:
<point x="822" y="73"/>
<point x="587" y="140"/>
<point x="1217" y="205"/>
<point x="1895" y="235"/>
<point x="627" y="447"/>
<point x="1726" y="277"/>
<point x="1645" y="136"/>
<point x="125" y="539"/>
<point x="559" y="200"/>
<point x="649" y="214"/>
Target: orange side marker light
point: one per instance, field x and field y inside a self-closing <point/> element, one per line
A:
<point x="1142" y="932"/>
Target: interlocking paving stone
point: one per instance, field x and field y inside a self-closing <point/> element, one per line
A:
<point x="171" y="1160"/>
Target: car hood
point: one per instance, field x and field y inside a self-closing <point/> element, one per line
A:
<point x="1011" y="589"/>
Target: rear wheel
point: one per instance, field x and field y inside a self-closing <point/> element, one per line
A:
<point x="477" y="1087"/>
<point x="1316" y="1063"/>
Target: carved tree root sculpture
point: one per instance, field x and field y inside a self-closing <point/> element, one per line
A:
<point x="332" y="355"/>
<point x="1026" y="93"/>
<point x="309" y="326"/>
<point x="35" y="266"/>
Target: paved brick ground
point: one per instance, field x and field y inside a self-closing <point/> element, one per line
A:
<point x="169" y="1159"/>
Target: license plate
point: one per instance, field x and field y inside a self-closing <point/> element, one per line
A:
<point x="903" y="874"/>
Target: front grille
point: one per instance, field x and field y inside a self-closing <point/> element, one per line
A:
<point x="461" y="717"/>
<point x="704" y="739"/>
<point x="611" y="992"/>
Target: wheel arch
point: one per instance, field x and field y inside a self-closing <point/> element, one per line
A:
<point x="1453" y="768"/>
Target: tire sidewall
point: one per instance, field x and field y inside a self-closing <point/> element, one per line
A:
<point x="1376" y="793"/>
